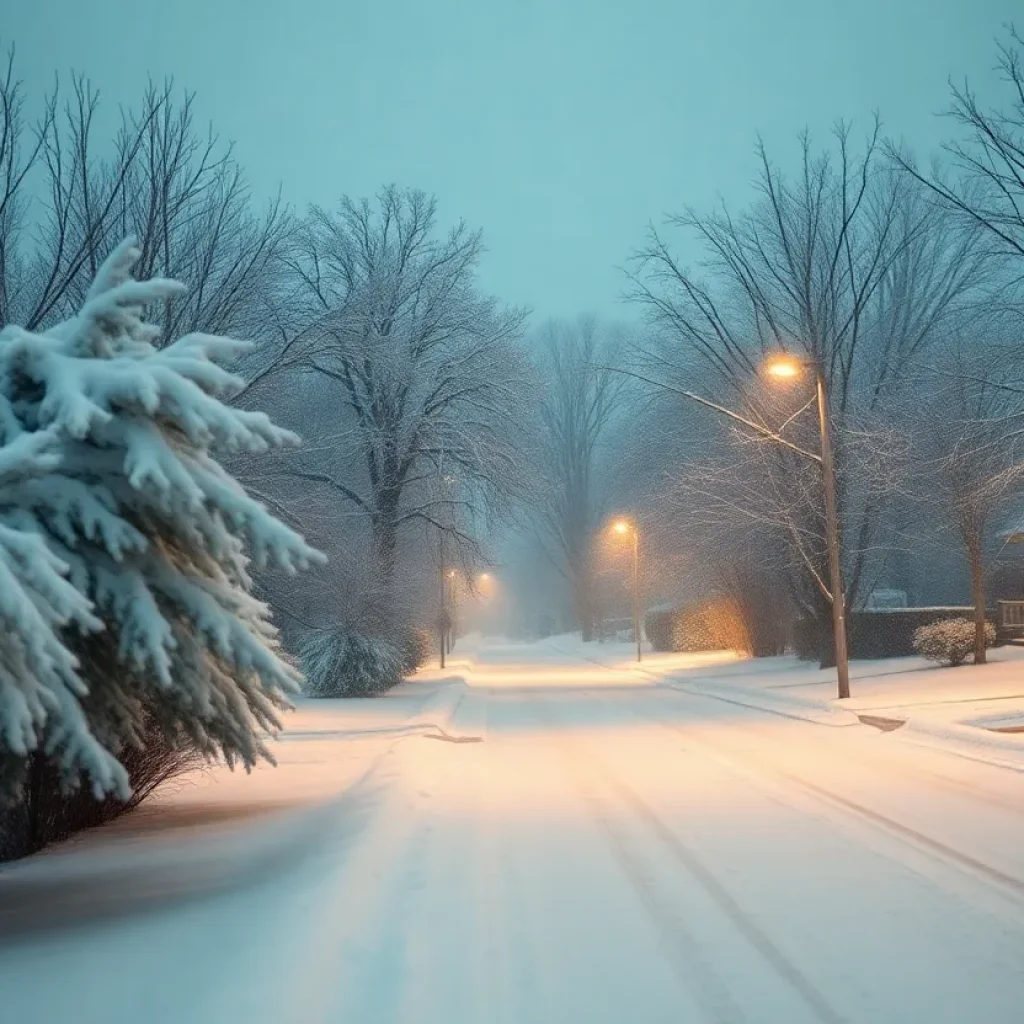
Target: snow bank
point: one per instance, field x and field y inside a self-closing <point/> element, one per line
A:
<point x="439" y="712"/>
<point x="76" y="884"/>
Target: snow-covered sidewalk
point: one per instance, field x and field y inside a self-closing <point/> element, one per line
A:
<point x="975" y="711"/>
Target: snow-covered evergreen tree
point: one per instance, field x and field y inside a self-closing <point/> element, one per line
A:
<point x="125" y="600"/>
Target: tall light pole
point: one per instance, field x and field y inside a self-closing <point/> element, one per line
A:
<point x="451" y="605"/>
<point x="442" y="626"/>
<point x="623" y="527"/>
<point x="445" y="485"/>
<point x="785" y="366"/>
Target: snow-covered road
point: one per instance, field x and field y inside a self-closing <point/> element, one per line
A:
<point x="612" y="851"/>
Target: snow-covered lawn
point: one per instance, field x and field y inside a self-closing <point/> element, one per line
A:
<point x="215" y="828"/>
<point x="981" y="698"/>
<point x="324" y="744"/>
<point x="892" y="684"/>
<point x="975" y="712"/>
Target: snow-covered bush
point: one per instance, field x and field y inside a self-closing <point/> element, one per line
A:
<point x="338" y="663"/>
<point x="949" y="641"/>
<point x="125" y="599"/>
<point x="417" y="643"/>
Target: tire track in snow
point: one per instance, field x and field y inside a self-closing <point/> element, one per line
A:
<point x="689" y="964"/>
<point x="753" y="768"/>
<point x="976" y="792"/>
<point x="961" y="859"/>
<point x="710" y="989"/>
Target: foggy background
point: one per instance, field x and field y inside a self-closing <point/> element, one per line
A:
<point x="560" y="128"/>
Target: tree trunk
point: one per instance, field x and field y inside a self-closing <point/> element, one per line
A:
<point x="826" y="633"/>
<point x="385" y="546"/>
<point x="978" y="597"/>
<point x="827" y="641"/>
<point x="583" y="607"/>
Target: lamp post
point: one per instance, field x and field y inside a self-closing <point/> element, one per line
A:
<point x="446" y="484"/>
<point x="623" y="527"/>
<point x="786" y="367"/>
<point x="442" y="624"/>
<point x="451" y="605"/>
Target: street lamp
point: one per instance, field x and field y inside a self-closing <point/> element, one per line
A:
<point x="446" y="483"/>
<point x="623" y="527"/>
<point x="786" y="367"/>
<point x="452" y="599"/>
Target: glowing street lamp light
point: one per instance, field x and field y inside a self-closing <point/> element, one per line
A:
<point x="786" y="367"/>
<point x="623" y="527"/>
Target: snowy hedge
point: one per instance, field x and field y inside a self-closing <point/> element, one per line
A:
<point x="873" y="632"/>
<point x="338" y="663"/>
<point x="950" y="641"/>
<point x="125" y="597"/>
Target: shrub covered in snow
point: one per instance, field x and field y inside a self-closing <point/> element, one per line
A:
<point x="338" y="663"/>
<point x="949" y="641"/>
<point x="125" y="601"/>
<point x="47" y="814"/>
<point x="417" y="645"/>
<point x="874" y="632"/>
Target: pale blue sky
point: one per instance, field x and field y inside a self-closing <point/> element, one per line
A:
<point x="561" y="127"/>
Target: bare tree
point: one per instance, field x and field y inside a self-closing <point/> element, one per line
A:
<point x="18" y="155"/>
<point x="970" y="443"/>
<point x="845" y="264"/>
<point x="412" y="365"/>
<point x="988" y="162"/>
<point x="579" y="404"/>
<point x="188" y="203"/>
<point x="178" y="192"/>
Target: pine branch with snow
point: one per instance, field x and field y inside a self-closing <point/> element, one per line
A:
<point x="129" y="543"/>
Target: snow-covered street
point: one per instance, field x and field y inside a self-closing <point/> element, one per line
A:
<point x="610" y="849"/>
